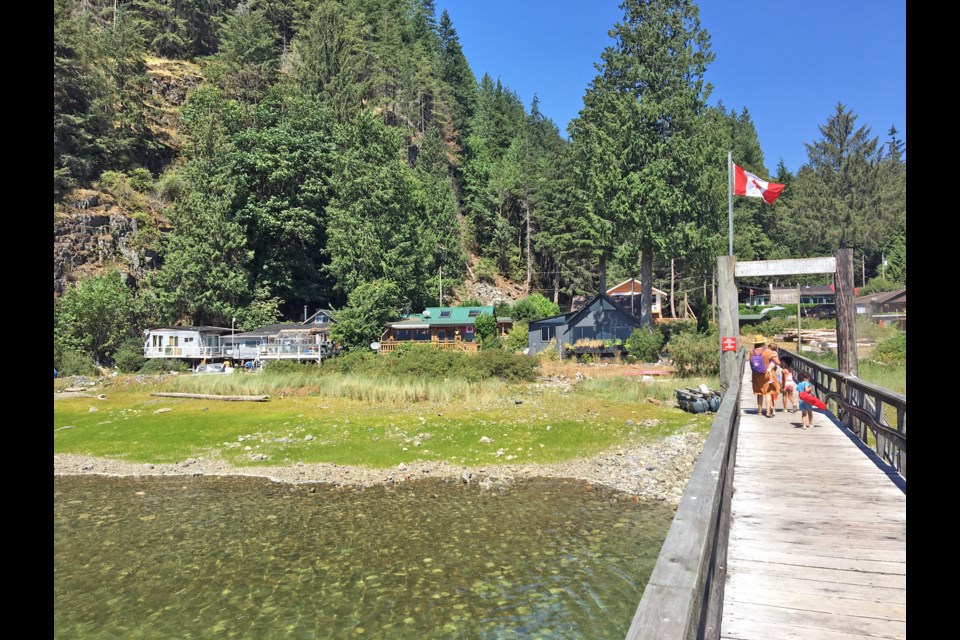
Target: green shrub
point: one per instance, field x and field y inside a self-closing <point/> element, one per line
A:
<point x="77" y="363"/>
<point x="418" y="362"/>
<point x="645" y="344"/>
<point x="695" y="354"/>
<point x="533" y="307"/>
<point x="486" y="271"/>
<point x="470" y="302"/>
<point x="518" y="338"/>
<point x="891" y="350"/>
<point x="423" y="361"/>
<point x="486" y="328"/>
<point x="672" y="329"/>
<point x="163" y="365"/>
<point x="497" y="363"/>
<point x="129" y="356"/>
<point x="549" y="352"/>
<point x="352" y="362"/>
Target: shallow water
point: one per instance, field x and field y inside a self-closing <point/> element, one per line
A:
<point x="209" y="557"/>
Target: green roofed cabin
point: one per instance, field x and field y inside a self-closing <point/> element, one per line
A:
<point x="447" y="328"/>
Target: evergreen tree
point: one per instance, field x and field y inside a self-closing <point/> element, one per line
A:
<point x="847" y="195"/>
<point x="456" y="73"/>
<point x="639" y="135"/>
<point x="204" y="279"/>
<point x="76" y="126"/>
<point x="248" y="60"/>
<point x="163" y="26"/>
<point x="329" y="58"/>
<point x="282" y="166"/>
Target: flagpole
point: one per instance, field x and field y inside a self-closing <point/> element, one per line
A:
<point x="730" y="195"/>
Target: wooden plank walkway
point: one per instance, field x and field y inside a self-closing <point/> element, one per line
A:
<point x="818" y="534"/>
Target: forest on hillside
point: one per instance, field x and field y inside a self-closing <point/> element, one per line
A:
<point x="338" y="150"/>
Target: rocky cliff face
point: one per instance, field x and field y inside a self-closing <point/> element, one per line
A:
<point x="170" y="82"/>
<point x="94" y="231"/>
<point x="93" y="235"/>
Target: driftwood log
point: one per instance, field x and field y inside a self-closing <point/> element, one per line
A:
<point x="207" y="396"/>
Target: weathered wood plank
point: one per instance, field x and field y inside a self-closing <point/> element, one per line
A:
<point x="737" y="566"/>
<point x="747" y="592"/>
<point x="813" y="620"/>
<point x="774" y="556"/>
<point x="872" y="593"/>
<point x="754" y="535"/>
<point x="845" y="550"/>
<point x="207" y="396"/>
<point x="754" y="630"/>
<point x="866" y="513"/>
<point x="665" y="609"/>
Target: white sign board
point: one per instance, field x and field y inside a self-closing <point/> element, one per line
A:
<point x="785" y="296"/>
<point x="792" y="267"/>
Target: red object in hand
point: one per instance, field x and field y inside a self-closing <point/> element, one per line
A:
<point x="811" y="399"/>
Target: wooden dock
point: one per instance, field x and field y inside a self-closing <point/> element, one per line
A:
<point x="818" y="534"/>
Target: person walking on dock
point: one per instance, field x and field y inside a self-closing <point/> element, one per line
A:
<point x="760" y="358"/>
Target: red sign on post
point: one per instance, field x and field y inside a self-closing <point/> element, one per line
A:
<point x="728" y="343"/>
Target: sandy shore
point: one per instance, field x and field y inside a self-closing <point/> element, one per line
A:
<point x="658" y="472"/>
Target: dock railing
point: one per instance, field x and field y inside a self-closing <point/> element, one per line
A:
<point x="684" y="596"/>
<point x="862" y="408"/>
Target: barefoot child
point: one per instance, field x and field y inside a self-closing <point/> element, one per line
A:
<point x="806" y="409"/>
<point x="787" y="388"/>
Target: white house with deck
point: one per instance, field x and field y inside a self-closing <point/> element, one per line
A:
<point x="192" y="343"/>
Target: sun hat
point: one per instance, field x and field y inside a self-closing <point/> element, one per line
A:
<point x="758" y="339"/>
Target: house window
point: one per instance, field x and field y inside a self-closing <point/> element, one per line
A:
<point x="474" y="313"/>
<point x="444" y="314"/>
<point x="403" y="334"/>
<point x="320" y="319"/>
<point x="546" y="333"/>
<point x="186" y="340"/>
<point x="421" y="334"/>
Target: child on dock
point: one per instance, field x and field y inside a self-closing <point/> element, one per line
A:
<point x="787" y="387"/>
<point x="806" y="409"/>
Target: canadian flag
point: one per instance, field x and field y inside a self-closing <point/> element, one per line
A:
<point x="747" y="184"/>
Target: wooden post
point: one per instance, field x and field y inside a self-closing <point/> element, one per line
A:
<point x="846" y="325"/>
<point x="673" y="310"/>
<point x="729" y="318"/>
<point x="799" y="334"/>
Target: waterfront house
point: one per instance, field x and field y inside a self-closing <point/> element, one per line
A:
<point x="601" y="320"/>
<point x="447" y="328"/>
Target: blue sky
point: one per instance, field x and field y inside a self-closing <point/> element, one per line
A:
<point x="788" y="63"/>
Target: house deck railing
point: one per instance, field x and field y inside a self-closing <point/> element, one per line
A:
<point x="261" y="352"/>
<point x="292" y="352"/>
<point x="184" y="352"/>
<point x="444" y="345"/>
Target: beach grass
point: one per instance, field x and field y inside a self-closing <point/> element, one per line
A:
<point x="352" y="420"/>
